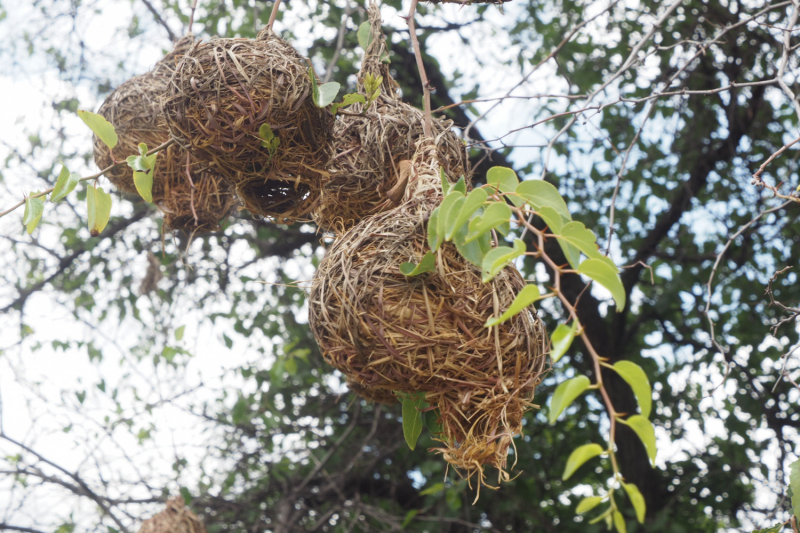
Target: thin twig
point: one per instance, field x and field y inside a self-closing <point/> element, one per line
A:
<point x="161" y="21"/>
<point x="427" y="125"/>
<point x="709" y="286"/>
<point x="339" y="43"/>
<point x="87" y="178"/>
<point x="274" y="14"/>
<point x="191" y="17"/>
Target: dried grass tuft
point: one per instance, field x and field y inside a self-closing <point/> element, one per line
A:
<point x="176" y="518"/>
<point x="382" y="396"/>
<point x="223" y="91"/>
<point x="426" y="333"/>
<point x="134" y="108"/>
<point x="371" y="143"/>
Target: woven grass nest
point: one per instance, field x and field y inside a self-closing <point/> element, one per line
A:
<point x="370" y="144"/>
<point x="134" y="108"/>
<point x="383" y="330"/>
<point x="176" y="518"/>
<point x="223" y="92"/>
<point x="383" y="396"/>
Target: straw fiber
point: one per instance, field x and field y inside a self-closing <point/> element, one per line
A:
<point x="384" y="396"/>
<point x="384" y="330"/>
<point x="223" y="92"/>
<point x="176" y="518"/>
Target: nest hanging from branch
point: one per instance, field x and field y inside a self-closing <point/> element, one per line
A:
<point x="221" y="95"/>
<point x="370" y="144"/>
<point x="134" y="108"/>
<point x="384" y="330"/>
<point x="176" y="518"/>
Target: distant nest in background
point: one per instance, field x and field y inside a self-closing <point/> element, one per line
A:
<point x="176" y="518"/>
<point x="369" y="145"/>
<point x="221" y="95"/>
<point x="134" y="108"/>
<point x="384" y="330"/>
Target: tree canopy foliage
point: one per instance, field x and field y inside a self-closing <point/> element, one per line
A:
<point x="135" y="365"/>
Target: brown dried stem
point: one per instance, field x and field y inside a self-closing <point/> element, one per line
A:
<point x="426" y="88"/>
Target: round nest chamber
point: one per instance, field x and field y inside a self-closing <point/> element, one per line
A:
<point x="134" y="108"/>
<point x="223" y="92"/>
<point x="176" y="518"/>
<point x="369" y="145"/>
<point x="384" y="330"/>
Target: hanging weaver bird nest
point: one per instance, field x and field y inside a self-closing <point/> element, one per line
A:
<point x="369" y="145"/>
<point x="383" y="396"/>
<point x="176" y="518"/>
<point x="384" y="330"/>
<point x="225" y="99"/>
<point x="134" y="108"/>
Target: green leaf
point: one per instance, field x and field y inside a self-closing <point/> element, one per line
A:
<point x="637" y="500"/>
<point x="777" y="528"/>
<point x="794" y="484"/>
<point x="428" y="264"/>
<point x="143" y="181"/>
<point x="579" y="456"/>
<point x="607" y="276"/>
<point x="445" y="182"/>
<point x="266" y="133"/>
<point x="619" y="522"/>
<point x="432" y="422"/>
<point x="552" y="218"/>
<point x="644" y="429"/>
<point x="473" y="251"/>
<point x="65" y="184"/>
<point x="364" y="35"/>
<point x="101" y="127"/>
<point x="561" y="340"/>
<point x="540" y="193"/>
<point x="496" y="214"/>
<point x="565" y="394"/>
<point x="413" y="512"/>
<point x="528" y="295"/>
<point x="637" y="379"/>
<point x="504" y="180"/>
<point x="348" y="100"/>
<point x="460" y="185"/>
<point x="179" y="333"/>
<point x="582" y="238"/>
<point x="444" y="211"/>
<point x="472" y="203"/>
<point x="186" y="495"/>
<point x="497" y="258"/>
<point x="588" y="503"/>
<point x="323" y="94"/>
<point x="453" y="213"/>
<point x="434" y="238"/>
<point x="34" y="207"/>
<point x="98" y="204"/>
<point x="434" y="489"/>
<point x="412" y="417"/>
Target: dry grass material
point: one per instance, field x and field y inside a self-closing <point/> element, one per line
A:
<point x="223" y="91"/>
<point x="426" y="333"/>
<point x="382" y="396"/>
<point x="193" y="202"/>
<point x="176" y="518"/>
<point x="371" y="143"/>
